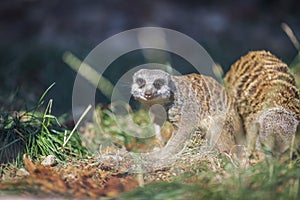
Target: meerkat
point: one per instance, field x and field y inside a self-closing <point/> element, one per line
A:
<point x="196" y="105"/>
<point x="267" y="100"/>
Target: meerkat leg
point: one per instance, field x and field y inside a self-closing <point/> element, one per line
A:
<point x="251" y="137"/>
<point x="159" y="118"/>
<point x="223" y="140"/>
<point x="158" y="135"/>
<point x="232" y="135"/>
<point x="296" y="143"/>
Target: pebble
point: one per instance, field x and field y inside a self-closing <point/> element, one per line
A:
<point x="22" y="172"/>
<point x="49" y="161"/>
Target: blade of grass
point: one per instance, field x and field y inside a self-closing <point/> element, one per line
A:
<point x="77" y="124"/>
<point x="47" y="111"/>
<point x="90" y="74"/>
<point x="289" y="32"/>
<point x="44" y="94"/>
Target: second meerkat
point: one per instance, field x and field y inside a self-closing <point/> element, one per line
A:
<point x="267" y="101"/>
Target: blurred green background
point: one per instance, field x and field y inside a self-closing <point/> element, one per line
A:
<point x="34" y="34"/>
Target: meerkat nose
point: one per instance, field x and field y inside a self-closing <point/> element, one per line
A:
<point x="148" y="94"/>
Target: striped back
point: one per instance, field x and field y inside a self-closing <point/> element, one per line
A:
<point x="258" y="81"/>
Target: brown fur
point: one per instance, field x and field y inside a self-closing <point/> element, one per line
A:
<point x="267" y="100"/>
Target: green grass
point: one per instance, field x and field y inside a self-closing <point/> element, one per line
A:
<point x="36" y="133"/>
<point x="262" y="181"/>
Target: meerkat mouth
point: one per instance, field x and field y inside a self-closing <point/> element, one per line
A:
<point x="148" y="96"/>
<point x="151" y="99"/>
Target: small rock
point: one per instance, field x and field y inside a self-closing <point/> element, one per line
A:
<point x="49" y="161"/>
<point x="22" y="172"/>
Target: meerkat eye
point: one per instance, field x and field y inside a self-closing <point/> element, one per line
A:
<point x="158" y="83"/>
<point x="141" y="82"/>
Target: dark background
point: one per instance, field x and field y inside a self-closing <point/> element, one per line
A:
<point x="34" y="34"/>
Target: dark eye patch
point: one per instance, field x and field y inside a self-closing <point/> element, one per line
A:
<point x="158" y="83"/>
<point x="141" y="82"/>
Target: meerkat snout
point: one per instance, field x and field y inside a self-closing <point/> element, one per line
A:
<point x="148" y="94"/>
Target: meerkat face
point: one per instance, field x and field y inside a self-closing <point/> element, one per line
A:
<point x="152" y="86"/>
